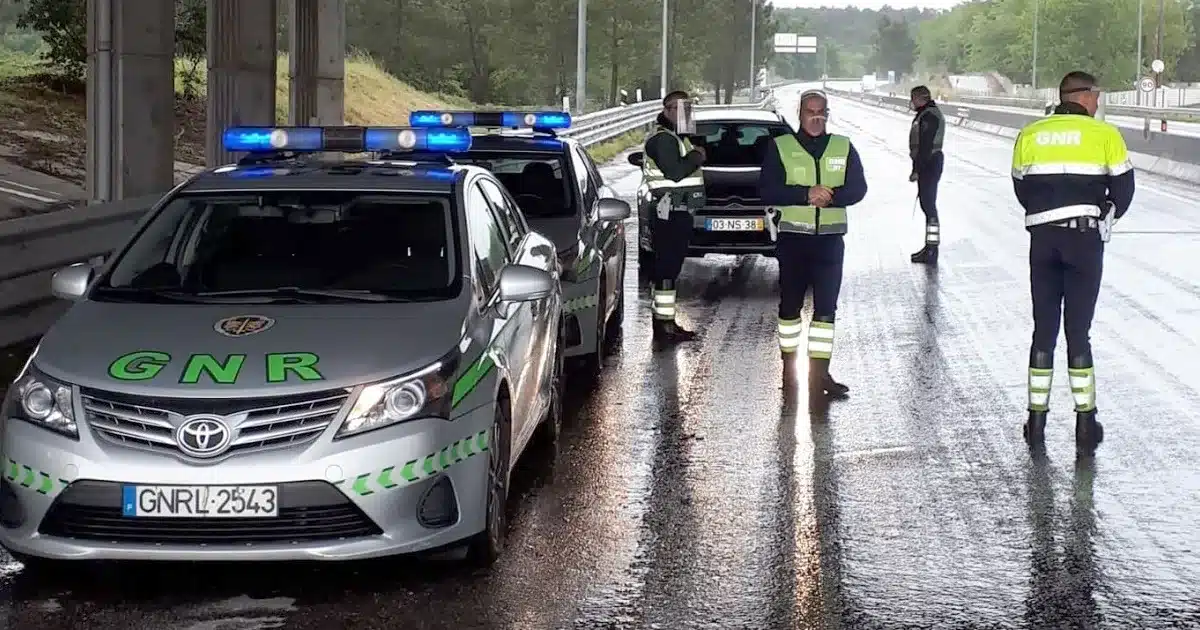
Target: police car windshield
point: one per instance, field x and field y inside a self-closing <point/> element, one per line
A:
<point x="536" y="181"/>
<point x="322" y="246"/>
<point x="737" y="143"/>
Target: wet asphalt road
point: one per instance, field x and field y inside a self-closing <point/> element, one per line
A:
<point x="684" y="497"/>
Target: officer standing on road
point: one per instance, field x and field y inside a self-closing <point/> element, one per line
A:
<point x="925" y="147"/>
<point x="671" y="169"/>
<point x="1072" y="175"/>
<point x="810" y="178"/>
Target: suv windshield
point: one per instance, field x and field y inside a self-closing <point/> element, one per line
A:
<point x="737" y="143"/>
<point x="537" y="181"/>
<point x="295" y="246"/>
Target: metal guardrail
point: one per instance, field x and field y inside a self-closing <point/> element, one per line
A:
<point x="32" y="248"/>
<point x="1137" y="111"/>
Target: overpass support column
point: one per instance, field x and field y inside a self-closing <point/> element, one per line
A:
<point x="317" y="53"/>
<point x="242" y="51"/>
<point x="130" y="98"/>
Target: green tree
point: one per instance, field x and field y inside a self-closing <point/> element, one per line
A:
<point x="893" y="46"/>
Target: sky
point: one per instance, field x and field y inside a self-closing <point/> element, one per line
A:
<point x="867" y="4"/>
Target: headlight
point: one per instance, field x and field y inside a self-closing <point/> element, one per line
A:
<point x="41" y="400"/>
<point x="421" y="394"/>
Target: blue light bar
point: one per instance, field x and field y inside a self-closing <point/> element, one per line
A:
<point x="453" y="140"/>
<point x="538" y="120"/>
<point x="267" y="139"/>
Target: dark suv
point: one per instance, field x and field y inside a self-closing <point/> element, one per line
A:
<point x="732" y="220"/>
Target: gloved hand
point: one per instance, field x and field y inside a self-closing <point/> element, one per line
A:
<point x="913" y="177"/>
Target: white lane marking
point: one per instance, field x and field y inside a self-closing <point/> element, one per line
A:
<point x="20" y="193"/>
<point x="28" y="187"/>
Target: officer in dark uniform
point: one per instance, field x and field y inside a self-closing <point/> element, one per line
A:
<point x="809" y="179"/>
<point x="671" y="169"/>
<point x="925" y="146"/>
<point x="1073" y="176"/>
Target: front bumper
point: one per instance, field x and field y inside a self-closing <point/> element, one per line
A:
<point x="355" y="498"/>
<point x="722" y="242"/>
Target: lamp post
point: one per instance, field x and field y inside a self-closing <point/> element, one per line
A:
<point x="663" y="85"/>
<point x="581" y="57"/>
<point x="1033" y="80"/>
<point x="753" y="19"/>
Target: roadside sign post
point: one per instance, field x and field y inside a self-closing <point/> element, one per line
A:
<point x="1147" y="85"/>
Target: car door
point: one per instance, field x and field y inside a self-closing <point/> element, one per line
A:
<point x="512" y="322"/>
<point x="600" y="237"/>
<point x="539" y="255"/>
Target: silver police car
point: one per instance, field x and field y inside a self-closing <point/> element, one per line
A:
<point x="292" y="359"/>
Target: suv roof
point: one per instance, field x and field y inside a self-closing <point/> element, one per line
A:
<point x="302" y="173"/>
<point x="737" y="115"/>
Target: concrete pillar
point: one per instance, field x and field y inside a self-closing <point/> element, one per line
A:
<point x="130" y="98"/>
<point x="317" y="59"/>
<point x="242" y="54"/>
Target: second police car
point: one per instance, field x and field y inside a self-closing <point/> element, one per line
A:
<point x="292" y="358"/>
<point x="563" y="195"/>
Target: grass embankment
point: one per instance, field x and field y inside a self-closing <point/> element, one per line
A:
<point x="43" y="119"/>
<point x="608" y="151"/>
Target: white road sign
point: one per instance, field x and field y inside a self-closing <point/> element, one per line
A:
<point x="1157" y="65"/>
<point x="1146" y="84"/>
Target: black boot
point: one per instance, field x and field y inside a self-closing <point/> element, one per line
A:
<point x="835" y="389"/>
<point x="1088" y="432"/>
<point x="927" y="256"/>
<point x="789" y="370"/>
<point x="1034" y="430"/>
<point x="668" y="331"/>
<point x="821" y="384"/>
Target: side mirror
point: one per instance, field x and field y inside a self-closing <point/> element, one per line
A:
<point x="613" y="209"/>
<point x="520" y="283"/>
<point x="70" y="283"/>
<point x="637" y="158"/>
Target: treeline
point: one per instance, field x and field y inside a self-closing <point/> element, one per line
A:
<point x="496" y="51"/>
<point x="851" y="41"/>
<point x="1099" y="36"/>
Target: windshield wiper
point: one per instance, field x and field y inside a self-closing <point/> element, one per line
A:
<point x="299" y="293"/>
<point x="169" y="294"/>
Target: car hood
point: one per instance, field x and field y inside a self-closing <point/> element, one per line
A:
<point x="563" y="232"/>
<point x="118" y="346"/>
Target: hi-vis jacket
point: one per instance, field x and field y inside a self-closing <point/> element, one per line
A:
<point x="670" y="168"/>
<point x="800" y="162"/>
<point x="1070" y="165"/>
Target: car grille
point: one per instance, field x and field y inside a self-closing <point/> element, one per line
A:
<point x="259" y="423"/>
<point x="310" y="511"/>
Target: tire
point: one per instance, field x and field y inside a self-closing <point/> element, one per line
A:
<point x="550" y="427"/>
<point x="593" y="364"/>
<point x="486" y="547"/>
<point x="617" y="322"/>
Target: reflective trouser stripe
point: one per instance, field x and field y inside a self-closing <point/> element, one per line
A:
<point x="933" y="233"/>
<point x="1083" y="388"/>
<point x="789" y="334"/>
<point x="664" y="305"/>
<point x="1039" y="388"/>
<point x="820" y="340"/>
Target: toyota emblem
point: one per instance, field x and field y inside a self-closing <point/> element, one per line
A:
<point x="203" y="436"/>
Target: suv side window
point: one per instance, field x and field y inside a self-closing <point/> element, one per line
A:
<point x="506" y="210"/>
<point x="591" y="166"/>
<point x="487" y="239"/>
<point x="587" y="186"/>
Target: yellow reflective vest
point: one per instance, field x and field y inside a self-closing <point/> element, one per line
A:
<point x="803" y="170"/>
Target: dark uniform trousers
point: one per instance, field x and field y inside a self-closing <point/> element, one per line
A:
<point x="1065" y="266"/>
<point x="927" y="189"/>
<point x="805" y="261"/>
<point x="670" y="239"/>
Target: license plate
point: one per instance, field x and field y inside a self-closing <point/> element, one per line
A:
<point x="734" y="225"/>
<point x="200" y="501"/>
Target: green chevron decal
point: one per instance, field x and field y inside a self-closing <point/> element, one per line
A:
<point x="471" y="378"/>
<point x="33" y="479"/>
<point x="415" y="470"/>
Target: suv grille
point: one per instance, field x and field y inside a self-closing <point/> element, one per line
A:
<point x="309" y="511"/>
<point x="258" y="423"/>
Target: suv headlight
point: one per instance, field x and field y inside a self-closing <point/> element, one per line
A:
<point x="421" y="394"/>
<point x="41" y="400"/>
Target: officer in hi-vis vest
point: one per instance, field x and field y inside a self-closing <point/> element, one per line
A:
<point x="1073" y="176"/>
<point x="925" y="147"/>
<point x="810" y="178"/>
<point x="671" y="169"/>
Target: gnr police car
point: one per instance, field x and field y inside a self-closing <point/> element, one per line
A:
<point x="562" y="195"/>
<point x="292" y="359"/>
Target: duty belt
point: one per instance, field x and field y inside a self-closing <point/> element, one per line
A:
<point x="1082" y="223"/>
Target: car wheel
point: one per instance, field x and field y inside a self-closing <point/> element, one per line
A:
<point x="617" y="322"/>
<point x="593" y="364"/>
<point x="485" y="547"/>
<point x="551" y="425"/>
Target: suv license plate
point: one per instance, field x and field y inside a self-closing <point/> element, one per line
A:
<point x="734" y="225"/>
<point x="200" y="501"/>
